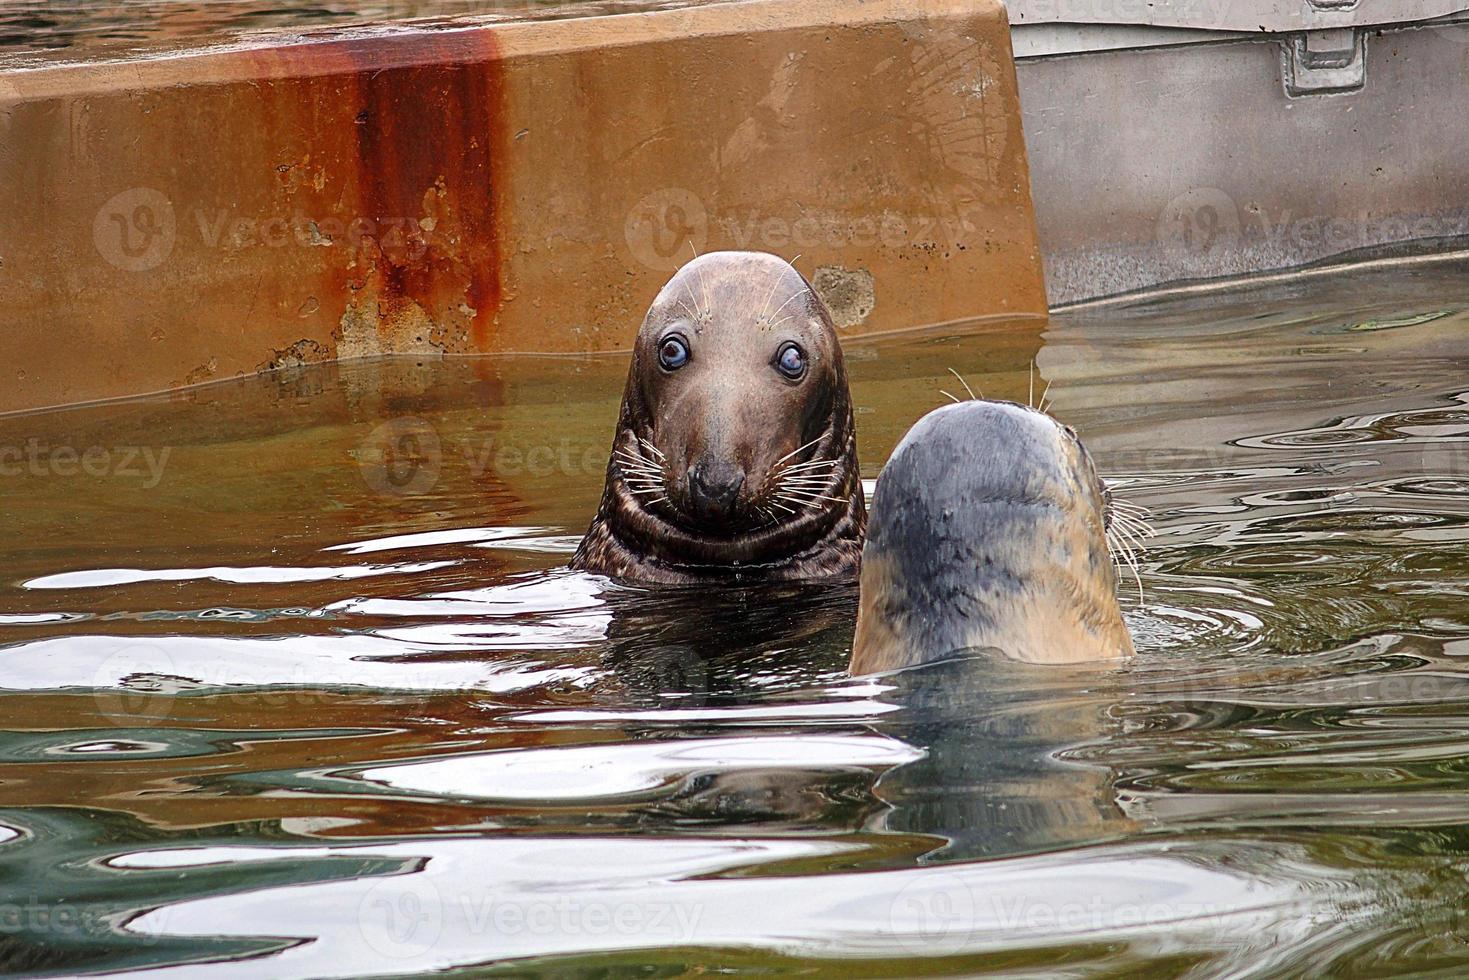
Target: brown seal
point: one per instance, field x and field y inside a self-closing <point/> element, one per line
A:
<point x="988" y="531"/>
<point x="735" y="457"/>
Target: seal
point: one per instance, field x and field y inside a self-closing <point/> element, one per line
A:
<point x="988" y="530"/>
<point x="735" y="456"/>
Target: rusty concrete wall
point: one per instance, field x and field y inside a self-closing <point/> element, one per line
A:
<point x="506" y="187"/>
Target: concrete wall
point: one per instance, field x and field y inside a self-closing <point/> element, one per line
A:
<point x="505" y="187"/>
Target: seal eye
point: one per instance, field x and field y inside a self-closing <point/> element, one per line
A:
<point x="673" y="353"/>
<point x="790" y="360"/>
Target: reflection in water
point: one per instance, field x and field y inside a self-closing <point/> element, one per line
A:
<point x="988" y="781"/>
<point x="280" y="713"/>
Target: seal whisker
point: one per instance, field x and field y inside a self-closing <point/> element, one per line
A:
<point x="1132" y="515"/>
<point x="777" y="503"/>
<point x="704" y="288"/>
<point x="950" y="397"/>
<point x="797" y="450"/>
<point x="965" y="384"/>
<point x="1136" y="511"/>
<point x="685" y="307"/>
<point x="810" y="463"/>
<point x="1131" y="521"/>
<point x="1123" y="543"/>
<point x="810" y="496"/>
<point x="794" y="294"/>
<point x="1122" y="554"/>
<point x="774" y="285"/>
<point x="1136" y="522"/>
<point x="807" y="469"/>
<point x="800" y="505"/>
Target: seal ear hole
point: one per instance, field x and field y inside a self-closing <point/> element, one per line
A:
<point x="673" y="352"/>
<point x="790" y="360"/>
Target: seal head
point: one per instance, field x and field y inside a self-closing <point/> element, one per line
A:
<point x="988" y="530"/>
<point x="735" y="458"/>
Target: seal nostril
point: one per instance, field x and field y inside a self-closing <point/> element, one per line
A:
<point x="715" y="486"/>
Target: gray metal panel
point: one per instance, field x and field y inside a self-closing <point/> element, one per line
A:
<point x="1043" y="40"/>
<point x="1232" y="15"/>
<point x="1170" y="164"/>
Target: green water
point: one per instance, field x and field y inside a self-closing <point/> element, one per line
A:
<point x="294" y="682"/>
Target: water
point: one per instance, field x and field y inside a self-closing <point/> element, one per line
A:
<point x="34" y="33"/>
<point x="295" y="683"/>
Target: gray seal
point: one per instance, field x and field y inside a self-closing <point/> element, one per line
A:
<point x="988" y="531"/>
<point x="735" y="456"/>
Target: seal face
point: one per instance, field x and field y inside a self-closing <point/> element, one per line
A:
<point x="988" y="531"/>
<point x="735" y="457"/>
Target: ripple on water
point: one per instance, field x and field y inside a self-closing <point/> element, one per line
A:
<point x="392" y="734"/>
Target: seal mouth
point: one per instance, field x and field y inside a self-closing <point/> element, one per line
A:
<point x="719" y="500"/>
<point x="711" y="519"/>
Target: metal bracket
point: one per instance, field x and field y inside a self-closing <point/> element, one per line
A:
<point x="1325" y="62"/>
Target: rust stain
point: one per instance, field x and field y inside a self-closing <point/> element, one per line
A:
<point x="430" y="141"/>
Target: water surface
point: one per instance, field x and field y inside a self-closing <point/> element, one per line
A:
<point x="295" y="683"/>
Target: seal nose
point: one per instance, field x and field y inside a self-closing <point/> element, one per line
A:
<point x="714" y="486"/>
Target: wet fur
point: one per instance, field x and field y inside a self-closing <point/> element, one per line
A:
<point x="988" y="531"/>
